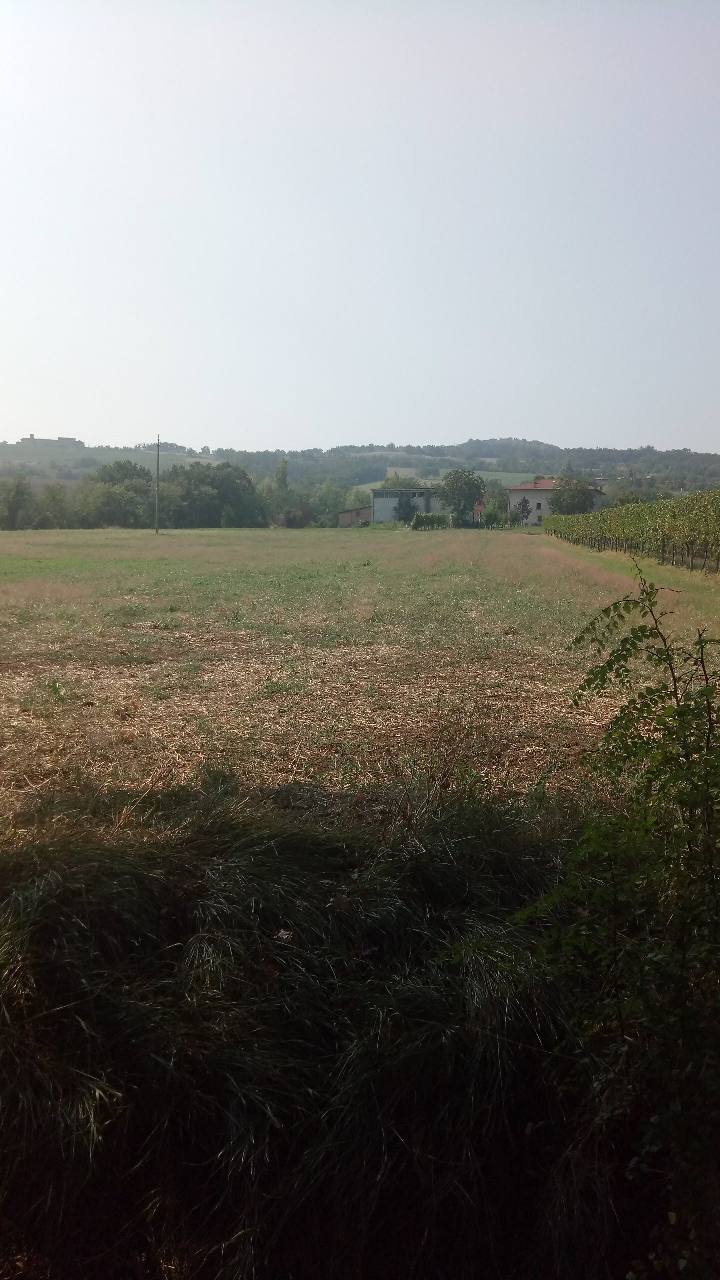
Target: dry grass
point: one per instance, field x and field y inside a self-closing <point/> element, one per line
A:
<point x="329" y="670"/>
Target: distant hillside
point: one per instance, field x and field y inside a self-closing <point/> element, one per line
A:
<point x="67" y="459"/>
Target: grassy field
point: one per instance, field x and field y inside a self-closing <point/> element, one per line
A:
<point x="324" y="671"/>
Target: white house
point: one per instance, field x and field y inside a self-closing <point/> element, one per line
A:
<point x="385" y="501"/>
<point x="537" y="493"/>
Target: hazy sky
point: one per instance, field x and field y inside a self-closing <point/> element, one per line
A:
<point x="278" y="225"/>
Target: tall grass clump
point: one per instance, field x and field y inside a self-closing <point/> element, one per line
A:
<point x="271" y="1057"/>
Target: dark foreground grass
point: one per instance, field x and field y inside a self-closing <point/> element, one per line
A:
<point x="263" y="1054"/>
<point x="268" y="1057"/>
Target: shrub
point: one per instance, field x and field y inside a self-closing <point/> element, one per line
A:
<point x="636" y="930"/>
<point x="494" y="517"/>
<point x="429" y="520"/>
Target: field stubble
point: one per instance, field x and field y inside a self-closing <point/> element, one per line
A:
<point x="346" y="675"/>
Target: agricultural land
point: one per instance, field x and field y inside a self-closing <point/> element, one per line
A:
<point x="337" y="939"/>
<point x="319" y="671"/>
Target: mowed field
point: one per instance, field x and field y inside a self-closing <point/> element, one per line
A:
<point x="332" y="673"/>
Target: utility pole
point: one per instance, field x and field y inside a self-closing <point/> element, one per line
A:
<point x="157" y="487"/>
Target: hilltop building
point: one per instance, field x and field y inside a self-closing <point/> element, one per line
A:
<point x="32" y="439"/>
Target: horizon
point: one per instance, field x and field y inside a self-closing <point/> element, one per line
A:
<point x="381" y="448"/>
<point x="295" y="229"/>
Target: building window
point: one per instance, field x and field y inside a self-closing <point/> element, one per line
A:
<point x="538" y="506"/>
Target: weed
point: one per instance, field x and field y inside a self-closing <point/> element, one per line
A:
<point x="57" y="691"/>
<point x="280" y="688"/>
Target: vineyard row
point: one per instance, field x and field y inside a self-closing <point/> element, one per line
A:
<point x="683" y="531"/>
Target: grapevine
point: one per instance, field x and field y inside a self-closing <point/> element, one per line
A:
<point x="681" y="531"/>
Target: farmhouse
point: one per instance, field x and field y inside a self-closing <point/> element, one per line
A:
<point x="385" y="502"/>
<point x="354" y="516"/>
<point x="537" y="493"/>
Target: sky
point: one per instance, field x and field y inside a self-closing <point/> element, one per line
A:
<point x="299" y="224"/>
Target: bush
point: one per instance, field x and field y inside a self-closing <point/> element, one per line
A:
<point x="429" y="520"/>
<point x="635" y="935"/>
<point x="255" y="1056"/>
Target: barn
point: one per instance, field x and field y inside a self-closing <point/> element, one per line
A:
<point x="423" y="498"/>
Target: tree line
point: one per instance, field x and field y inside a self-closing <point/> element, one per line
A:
<point x="349" y="465"/>
<point x="122" y="494"/>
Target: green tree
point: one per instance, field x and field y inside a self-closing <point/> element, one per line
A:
<point x="282" y="502"/>
<point x="124" y="472"/>
<point x="523" y="509"/>
<point x="203" y="497"/>
<point x="327" y="500"/>
<point x="17" y="504"/>
<point x="496" y="505"/>
<point x="571" y="497"/>
<point x="405" y="508"/>
<point x="357" y="497"/>
<point x="54" y="509"/>
<point x="459" y="491"/>
<point x="634" y="488"/>
<point x="281" y="478"/>
<point x="495" y="494"/>
<point x="101" y="505"/>
<point x="238" y="500"/>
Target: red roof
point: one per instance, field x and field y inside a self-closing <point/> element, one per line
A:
<point x="547" y="483"/>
